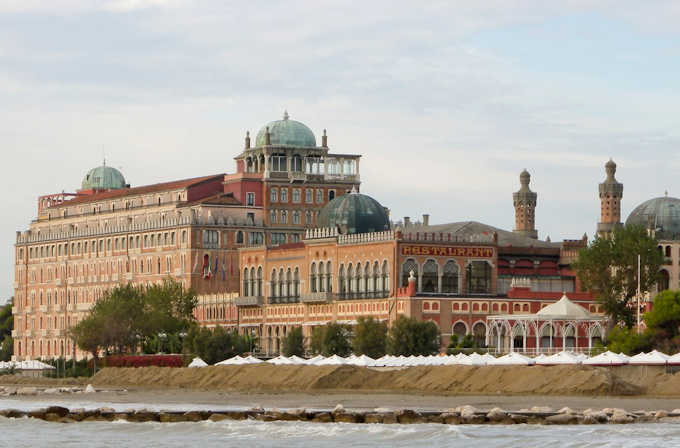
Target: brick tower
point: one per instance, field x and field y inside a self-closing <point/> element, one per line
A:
<point x="524" y="201"/>
<point x="611" y="192"/>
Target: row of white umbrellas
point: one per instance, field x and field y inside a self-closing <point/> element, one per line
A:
<point x="562" y="358"/>
<point x="32" y="364"/>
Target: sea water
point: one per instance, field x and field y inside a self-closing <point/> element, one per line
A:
<point x="25" y="432"/>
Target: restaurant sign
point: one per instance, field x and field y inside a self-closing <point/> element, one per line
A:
<point x="446" y="251"/>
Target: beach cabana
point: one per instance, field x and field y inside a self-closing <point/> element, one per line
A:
<point x="606" y="359"/>
<point x="562" y="325"/>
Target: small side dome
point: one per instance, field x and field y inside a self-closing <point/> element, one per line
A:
<point x="354" y="213"/>
<point x="286" y="132"/>
<point x="103" y="178"/>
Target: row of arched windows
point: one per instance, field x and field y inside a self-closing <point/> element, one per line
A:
<point x="432" y="277"/>
<point x="364" y="280"/>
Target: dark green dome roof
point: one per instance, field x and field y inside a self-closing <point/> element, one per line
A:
<point x="354" y="213"/>
<point x="103" y="178"/>
<point x="661" y="214"/>
<point x="286" y="132"/>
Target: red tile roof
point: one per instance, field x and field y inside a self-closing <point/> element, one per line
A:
<point x="145" y="189"/>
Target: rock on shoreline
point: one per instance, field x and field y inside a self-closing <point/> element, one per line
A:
<point x="458" y="416"/>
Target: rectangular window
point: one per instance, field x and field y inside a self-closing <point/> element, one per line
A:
<point x="284" y="195"/>
<point x="279" y="163"/>
<point x="273" y="195"/>
<point x="272" y="217"/>
<point x="296" y="217"/>
<point x="250" y="199"/>
<point x="319" y="196"/>
<point x="211" y="238"/>
<point x="296" y="195"/>
<point x="309" y="195"/>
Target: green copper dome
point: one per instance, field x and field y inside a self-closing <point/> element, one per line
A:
<point x="661" y="214"/>
<point x="103" y="178"/>
<point x="354" y="213"/>
<point x="286" y="132"/>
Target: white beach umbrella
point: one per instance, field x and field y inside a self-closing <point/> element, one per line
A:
<point x="361" y="361"/>
<point x="280" y="361"/>
<point x="313" y="361"/>
<point x="334" y="360"/>
<point x="653" y="358"/>
<point x="295" y="359"/>
<point x="250" y="359"/>
<point x="235" y="361"/>
<point x="605" y="359"/>
<point x="197" y="362"/>
<point x="561" y="358"/>
<point x="511" y="359"/>
<point x="674" y="360"/>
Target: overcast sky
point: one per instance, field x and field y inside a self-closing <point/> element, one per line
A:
<point x="447" y="100"/>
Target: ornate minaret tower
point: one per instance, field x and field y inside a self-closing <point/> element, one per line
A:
<point x="525" y="206"/>
<point x="611" y="192"/>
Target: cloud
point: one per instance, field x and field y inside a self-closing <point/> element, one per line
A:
<point x="445" y="122"/>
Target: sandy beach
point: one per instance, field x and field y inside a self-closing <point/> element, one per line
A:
<point x="426" y="388"/>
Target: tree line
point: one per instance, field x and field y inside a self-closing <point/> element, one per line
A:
<point x="370" y="337"/>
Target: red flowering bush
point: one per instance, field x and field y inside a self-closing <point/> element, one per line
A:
<point x="144" y="361"/>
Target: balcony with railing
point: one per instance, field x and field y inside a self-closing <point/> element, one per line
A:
<point x="283" y="299"/>
<point x="249" y="301"/>
<point x="318" y="297"/>
<point x="363" y="295"/>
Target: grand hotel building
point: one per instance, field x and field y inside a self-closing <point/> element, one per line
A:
<point x="287" y="240"/>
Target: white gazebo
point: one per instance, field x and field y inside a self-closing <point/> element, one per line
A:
<point x="563" y="325"/>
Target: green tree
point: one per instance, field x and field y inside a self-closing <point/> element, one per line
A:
<point x="460" y="345"/>
<point x="370" y="337"/>
<point x="331" y="339"/>
<point x="6" y="327"/>
<point x="608" y="267"/>
<point x="293" y="343"/>
<point x="215" y="345"/>
<point x="409" y="337"/>
<point x="665" y="314"/>
<point x="628" y="341"/>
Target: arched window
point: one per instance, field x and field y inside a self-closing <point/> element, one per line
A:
<point x="312" y="278"/>
<point x="342" y="287"/>
<point x="289" y="283"/>
<point x="296" y="217"/>
<point x="479" y="332"/>
<point x="569" y="337"/>
<point x="450" y="278"/>
<point x="308" y="218"/>
<point x="282" y="283"/>
<point x="259" y="281"/>
<point x="246" y="293"/>
<point x="272" y="216"/>
<point x="547" y="333"/>
<point x="329" y="277"/>
<point x="274" y="284"/>
<point x="356" y="278"/>
<point x="430" y="278"/>
<point x="385" y="278"/>
<point x="478" y="275"/>
<point x="664" y="280"/>
<point x="322" y="277"/>
<point x="350" y="279"/>
<point x="253" y="282"/>
<point x="366" y="280"/>
<point x="408" y="266"/>
<point x="296" y="283"/>
<point x="459" y="329"/>
<point x="668" y="251"/>
<point x="377" y="280"/>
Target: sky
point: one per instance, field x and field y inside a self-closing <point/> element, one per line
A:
<point x="447" y="101"/>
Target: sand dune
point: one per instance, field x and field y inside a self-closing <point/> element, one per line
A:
<point x="434" y="380"/>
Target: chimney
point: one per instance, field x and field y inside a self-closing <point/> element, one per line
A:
<point x="407" y="221"/>
<point x="426" y="219"/>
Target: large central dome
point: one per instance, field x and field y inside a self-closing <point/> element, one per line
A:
<point x="286" y="132"/>
<point x="660" y="214"/>
<point x="354" y="213"/>
<point x="103" y="178"/>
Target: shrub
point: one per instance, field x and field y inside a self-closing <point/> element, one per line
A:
<point x="293" y="343"/>
<point x="370" y="337"/>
